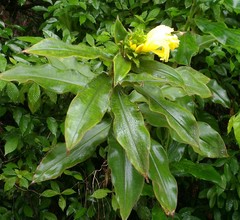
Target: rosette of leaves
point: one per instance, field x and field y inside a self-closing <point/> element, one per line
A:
<point x="121" y="103"/>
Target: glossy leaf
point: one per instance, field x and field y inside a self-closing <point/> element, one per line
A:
<point x="161" y="71"/>
<point x="234" y="123"/>
<point x="195" y="82"/>
<point x="220" y="31"/>
<point x="58" y="48"/>
<point x="211" y="142"/>
<point x="178" y="118"/>
<point x="120" y="32"/>
<point x="164" y="184"/>
<point x="87" y="109"/>
<point x="187" y="49"/>
<point x="49" y="77"/>
<point x="128" y="183"/>
<point x="121" y="67"/>
<point x="219" y="94"/>
<point x="130" y="131"/>
<point x="57" y="160"/>
<point x="198" y="170"/>
<point x="100" y="193"/>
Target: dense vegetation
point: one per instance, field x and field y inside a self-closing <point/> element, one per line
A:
<point x="96" y="124"/>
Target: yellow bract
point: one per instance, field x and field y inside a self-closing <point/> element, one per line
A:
<point x="159" y="41"/>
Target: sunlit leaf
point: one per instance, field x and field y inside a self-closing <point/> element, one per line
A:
<point x="58" y="48"/>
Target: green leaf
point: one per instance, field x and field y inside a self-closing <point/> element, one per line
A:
<point x="195" y="82"/>
<point x="49" y="77"/>
<point x="178" y="118"/>
<point x="49" y="193"/>
<point x="219" y="94"/>
<point x="100" y="193"/>
<point x="128" y="183"/>
<point x="68" y="192"/>
<point x="162" y="71"/>
<point x="12" y="92"/>
<point x="34" y="94"/>
<point x="211" y="142"/>
<point x="11" y="144"/>
<point x="87" y="109"/>
<point x="164" y="184"/>
<point x="220" y="31"/>
<point x="235" y="4"/>
<point x="9" y="183"/>
<point x="57" y="160"/>
<point x="130" y="131"/>
<point x="199" y="170"/>
<point x="62" y="203"/>
<point x="121" y="68"/>
<point x="3" y="63"/>
<point x="234" y="123"/>
<point x="120" y="32"/>
<point x="57" y="48"/>
<point x="187" y="49"/>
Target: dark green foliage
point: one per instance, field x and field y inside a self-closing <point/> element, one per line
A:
<point x="42" y="177"/>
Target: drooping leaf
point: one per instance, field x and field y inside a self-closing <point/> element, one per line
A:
<point x="58" y="48"/>
<point x="128" y="183"/>
<point x="211" y="142"/>
<point x="164" y="184"/>
<point x="199" y="170"/>
<point x="219" y="94"/>
<point x="130" y="131"/>
<point x="100" y="193"/>
<point x="178" y="118"/>
<point x="220" y="31"/>
<point x="121" y="68"/>
<point x="49" y="77"/>
<point x="57" y="160"/>
<point x="187" y="49"/>
<point x="195" y="82"/>
<point x="87" y="109"/>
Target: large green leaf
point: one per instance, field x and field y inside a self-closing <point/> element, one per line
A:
<point x="162" y="71"/>
<point x="187" y="49"/>
<point x="164" y="184"/>
<point x="48" y="77"/>
<point x="128" y="183"/>
<point x="220" y="31"/>
<point x="121" y="67"/>
<point x="58" y="48"/>
<point x="198" y="170"/>
<point x="219" y="94"/>
<point x="130" y="131"/>
<point x="211" y="142"/>
<point x="178" y="118"/>
<point x="195" y="82"/>
<point x="234" y="4"/>
<point x="87" y="109"/>
<point x="57" y="160"/>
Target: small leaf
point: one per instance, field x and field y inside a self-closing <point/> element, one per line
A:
<point x="34" y="94"/>
<point x="130" y="131"/>
<point x="9" y="183"/>
<point x="12" y="92"/>
<point x="187" y="49"/>
<point x="120" y="32"/>
<point x="121" y="68"/>
<point x="11" y="144"/>
<point x="87" y="109"/>
<point x="62" y="203"/>
<point x="128" y="183"/>
<point x="68" y="192"/>
<point x="49" y="193"/>
<point x="100" y="193"/>
<point x="164" y="184"/>
<point x="52" y="125"/>
<point x="3" y="63"/>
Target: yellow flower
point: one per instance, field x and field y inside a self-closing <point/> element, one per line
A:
<point x="159" y="41"/>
